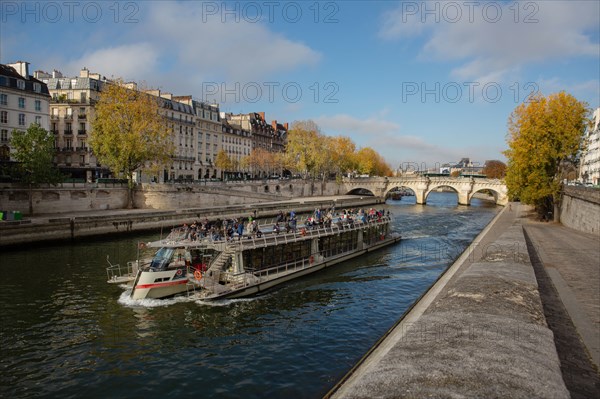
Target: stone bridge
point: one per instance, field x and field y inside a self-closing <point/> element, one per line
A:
<point x="465" y="187"/>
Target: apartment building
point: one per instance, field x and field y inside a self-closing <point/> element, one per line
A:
<point x="590" y="160"/>
<point x="71" y="112"/>
<point x="23" y="100"/>
<point x="237" y="144"/>
<point x="271" y="137"/>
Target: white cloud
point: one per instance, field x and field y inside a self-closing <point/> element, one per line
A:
<point x="540" y="31"/>
<point x="129" y="61"/>
<point x="235" y="51"/>
<point x="174" y="48"/>
<point x="345" y="124"/>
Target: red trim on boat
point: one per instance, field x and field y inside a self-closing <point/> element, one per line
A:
<point x="165" y="284"/>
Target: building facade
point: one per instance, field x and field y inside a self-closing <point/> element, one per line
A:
<point x="590" y="160"/>
<point x="271" y="137"/>
<point x="23" y="100"/>
<point x="182" y="123"/>
<point x="237" y="144"/>
<point x="71" y="111"/>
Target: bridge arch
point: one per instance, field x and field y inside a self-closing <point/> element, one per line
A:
<point x="442" y="186"/>
<point x="494" y="190"/>
<point x="422" y="186"/>
<point x="361" y="191"/>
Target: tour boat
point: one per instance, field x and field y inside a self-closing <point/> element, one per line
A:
<point x="249" y="264"/>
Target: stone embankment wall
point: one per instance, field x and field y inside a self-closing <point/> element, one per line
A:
<point x="66" y="197"/>
<point x="77" y="197"/>
<point x="56" y="228"/>
<point x="580" y="209"/>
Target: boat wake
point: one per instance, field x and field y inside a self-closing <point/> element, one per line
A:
<point x="227" y="302"/>
<point x="126" y="300"/>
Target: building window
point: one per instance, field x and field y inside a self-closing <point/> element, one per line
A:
<point x="38" y="120"/>
<point x="21" y="102"/>
<point x="3" y="99"/>
<point x="83" y="96"/>
<point x="3" y="116"/>
<point x="22" y="119"/>
<point x="38" y="105"/>
<point x="37" y="87"/>
<point x="4" y="136"/>
<point x="21" y="84"/>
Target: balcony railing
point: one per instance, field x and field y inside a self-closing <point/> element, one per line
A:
<point x="82" y="132"/>
<point x="68" y="132"/>
<point x="82" y="116"/>
<point x="54" y="131"/>
<point x="69" y="117"/>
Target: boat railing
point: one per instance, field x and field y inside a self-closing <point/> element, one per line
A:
<point x="284" y="268"/>
<point x="269" y="237"/>
<point x="117" y="273"/>
<point x="304" y="232"/>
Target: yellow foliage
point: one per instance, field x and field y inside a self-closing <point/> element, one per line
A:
<point x="544" y="135"/>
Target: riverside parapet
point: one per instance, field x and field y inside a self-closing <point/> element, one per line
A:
<point x="60" y="227"/>
<point x="480" y="331"/>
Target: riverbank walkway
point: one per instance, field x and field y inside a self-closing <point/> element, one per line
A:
<point x="493" y="325"/>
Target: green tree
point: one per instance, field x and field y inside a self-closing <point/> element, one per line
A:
<point x="34" y="150"/>
<point x="129" y="133"/>
<point x="544" y="137"/>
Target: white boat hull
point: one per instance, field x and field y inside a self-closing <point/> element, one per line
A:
<point x="158" y="285"/>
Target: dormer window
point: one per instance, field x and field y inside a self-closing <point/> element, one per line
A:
<point x="21" y="84"/>
<point x="37" y="87"/>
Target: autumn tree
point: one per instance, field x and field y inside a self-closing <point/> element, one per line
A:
<point x="544" y="136"/>
<point x="369" y="162"/>
<point x="494" y="169"/>
<point x="342" y="152"/>
<point x="34" y="152"/>
<point x="129" y="133"/>
<point x="223" y="162"/>
<point x="304" y="147"/>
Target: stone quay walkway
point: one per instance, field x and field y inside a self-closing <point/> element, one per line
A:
<point x="488" y="327"/>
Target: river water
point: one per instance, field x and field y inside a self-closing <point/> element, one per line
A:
<point x="65" y="332"/>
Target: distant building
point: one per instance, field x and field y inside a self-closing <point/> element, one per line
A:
<point x="271" y="137"/>
<point x="237" y="144"/>
<point x="590" y="160"/>
<point x="181" y="119"/>
<point x="23" y="100"/>
<point x="72" y="108"/>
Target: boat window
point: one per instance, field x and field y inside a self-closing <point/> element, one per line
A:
<point x="161" y="259"/>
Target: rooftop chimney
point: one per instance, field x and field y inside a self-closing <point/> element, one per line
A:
<point x="286" y="126"/>
<point x="84" y="73"/>
<point x="262" y="115"/>
<point x="22" y="68"/>
<point x="274" y="124"/>
<point x="56" y="74"/>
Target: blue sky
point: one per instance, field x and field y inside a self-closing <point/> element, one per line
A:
<point x="422" y="82"/>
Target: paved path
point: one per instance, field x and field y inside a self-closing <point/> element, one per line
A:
<point x="572" y="260"/>
<point x="567" y="264"/>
